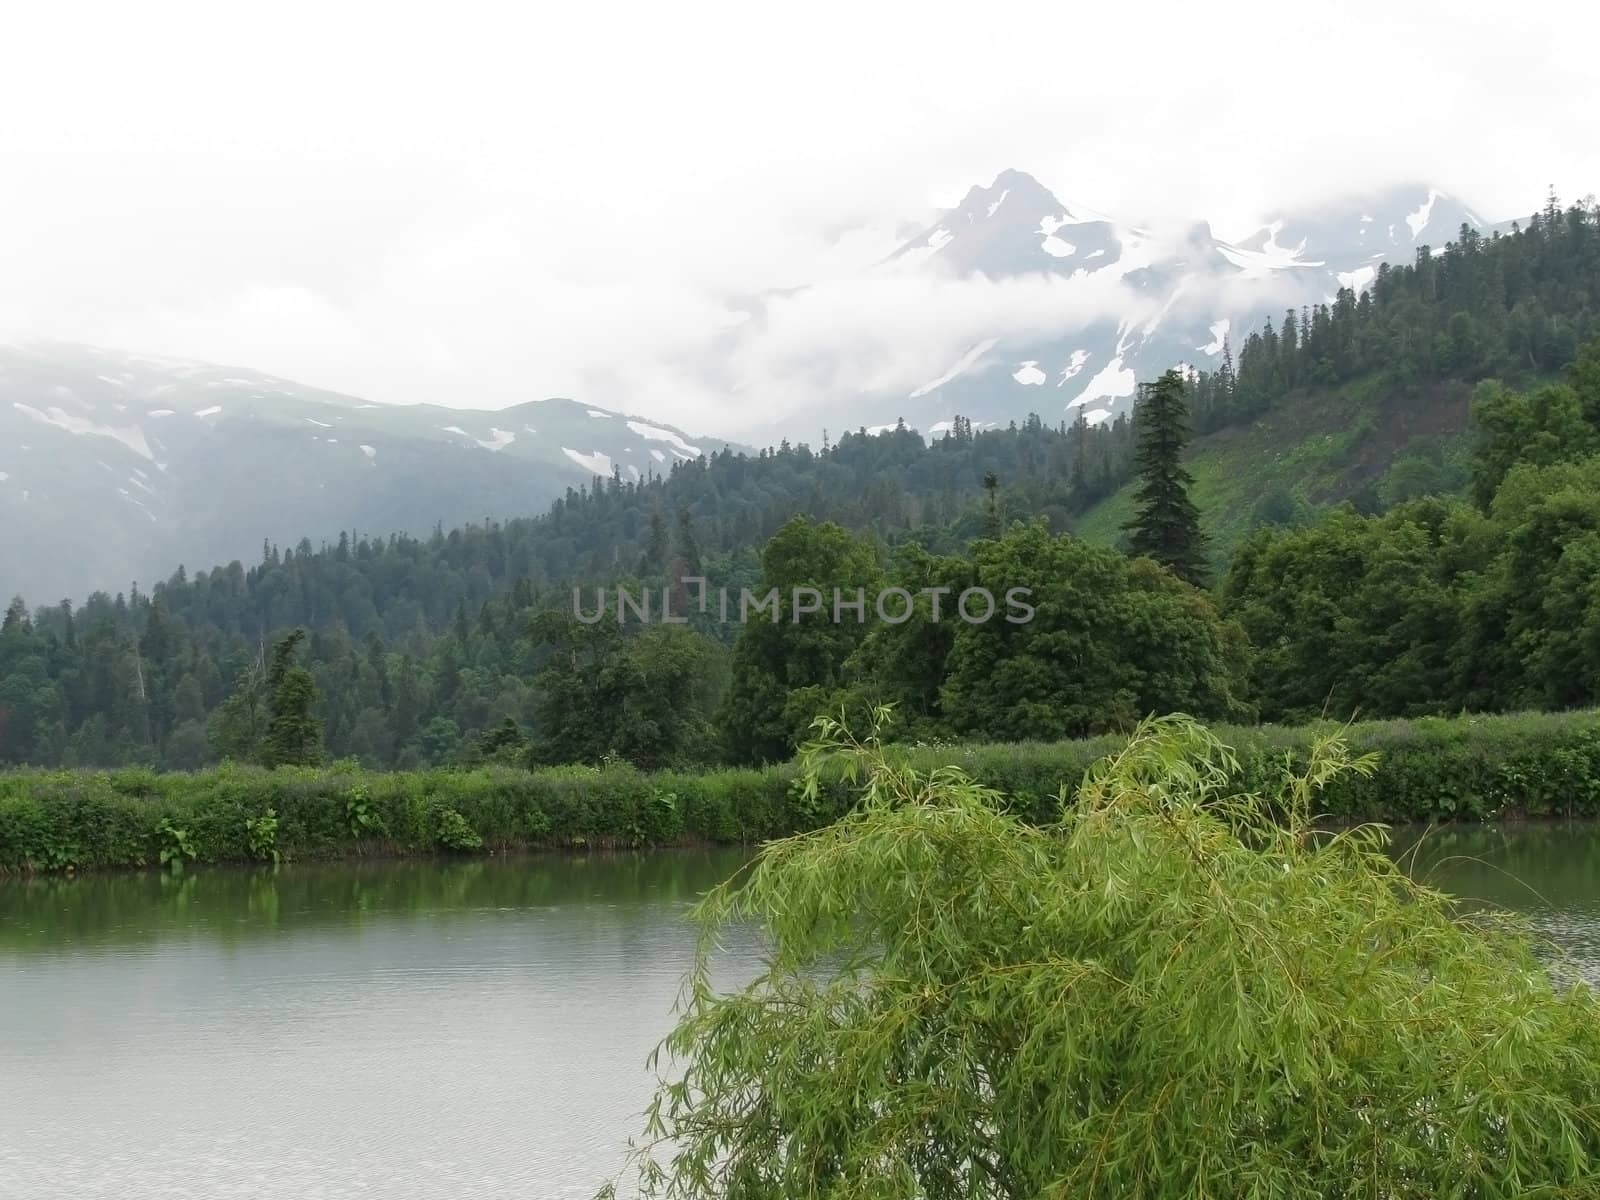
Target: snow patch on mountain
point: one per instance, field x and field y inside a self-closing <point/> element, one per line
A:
<point x="131" y="437"/>
<point x="1112" y="382"/>
<point x="209" y="412"/>
<point x="595" y="412"/>
<point x="498" y="439"/>
<point x="1419" y="220"/>
<point x="1064" y="216"/>
<point x="1273" y="256"/>
<point x="317" y="423"/>
<point x="1028" y="373"/>
<point x="656" y="434"/>
<point x="1074" y="365"/>
<point x="999" y="202"/>
<point x="1219" y="337"/>
<point x="1358" y="279"/>
<point x="158" y="413"/>
<point x="370" y="451"/>
<point x="1056" y="248"/>
<point x="961" y="365"/>
<point x="598" y="463"/>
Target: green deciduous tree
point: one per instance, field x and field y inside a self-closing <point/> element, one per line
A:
<point x="787" y="667"/>
<point x="1111" y="640"/>
<point x="607" y="692"/>
<point x="1176" y="991"/>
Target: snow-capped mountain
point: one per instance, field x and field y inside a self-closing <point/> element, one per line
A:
<point x="117" y="467"/>
<point x="1350" y="244"/>
<point x="1153" y="298"/>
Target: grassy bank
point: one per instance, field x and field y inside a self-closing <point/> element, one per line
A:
<point x="1435" y="769"/>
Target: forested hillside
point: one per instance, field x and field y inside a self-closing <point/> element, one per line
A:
<point x="1365" y="399"/>
<point x="421" y="648"/>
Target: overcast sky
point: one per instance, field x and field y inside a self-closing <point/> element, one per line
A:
<point x="477" y="205"/>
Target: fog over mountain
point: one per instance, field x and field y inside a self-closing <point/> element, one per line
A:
<point x="515" y="203"/>
<point x="117" y="467"/>
<point x="1016" y="302"/>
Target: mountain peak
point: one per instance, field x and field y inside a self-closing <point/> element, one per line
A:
<point x="1184" y="290"/>
<point x="1013" y="197"/>
<point x="1010" y="227"/>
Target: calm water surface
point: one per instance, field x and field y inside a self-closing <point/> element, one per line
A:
<point x="396" y="1030"/>
<point x="406" y="1031"/>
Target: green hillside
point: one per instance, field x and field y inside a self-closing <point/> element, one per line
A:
<point x="1362" y="442"/>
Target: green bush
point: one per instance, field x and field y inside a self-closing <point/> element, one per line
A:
<point x="1175" y="988"/>
<point x="454" y="833"/>
<point x="1432" y="769"/>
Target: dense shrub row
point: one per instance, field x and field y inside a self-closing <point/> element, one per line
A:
<point x="1468" y="768"/>
<point x="1429" y="769"/>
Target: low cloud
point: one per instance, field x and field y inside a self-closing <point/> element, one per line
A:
<point x="890" y="333"/>
<point x="508" y="205"/>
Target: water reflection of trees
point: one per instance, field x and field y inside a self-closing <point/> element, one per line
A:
<point x="237" y="904"/>
<point x="1526" y="867"/>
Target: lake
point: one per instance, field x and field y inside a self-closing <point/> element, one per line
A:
<point x="419" y="1029"/>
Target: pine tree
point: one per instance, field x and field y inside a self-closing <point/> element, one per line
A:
<point x="688" y="548"/>
<point x="654" y="559"/>
<point x="1166" y="526"/>
<point x="991" y="509"/>
<point x="1080" y="460"/>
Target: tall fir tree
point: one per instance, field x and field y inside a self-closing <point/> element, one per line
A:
<point x="688" y="547"/>
<point x="1166" y="526"/>
<point x="991" y="505"/>
<point x="654" y="558"/>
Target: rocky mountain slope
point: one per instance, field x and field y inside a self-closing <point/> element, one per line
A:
<point x="1133" y="301"/>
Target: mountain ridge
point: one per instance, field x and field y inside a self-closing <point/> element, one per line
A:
<point x="116" y="466"/>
